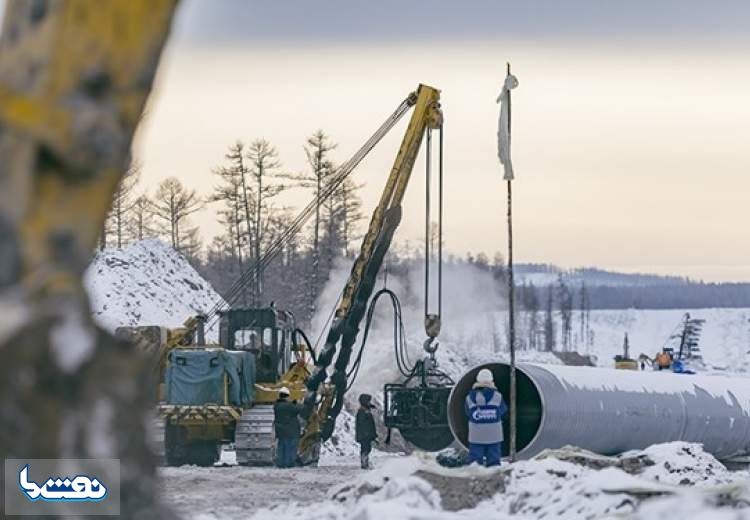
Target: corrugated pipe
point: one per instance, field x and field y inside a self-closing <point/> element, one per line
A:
<point x="610" y="411"/>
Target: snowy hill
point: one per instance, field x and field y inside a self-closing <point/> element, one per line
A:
<point x="145" y="283"/>
<point x="545" y="274"/>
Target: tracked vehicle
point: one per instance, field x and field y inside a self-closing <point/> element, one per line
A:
<point x="218" y="394"/>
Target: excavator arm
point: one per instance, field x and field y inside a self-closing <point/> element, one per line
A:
<point x="359" y="287"/>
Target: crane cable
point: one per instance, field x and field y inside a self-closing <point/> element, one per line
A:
<point x="432" y="321"/>
<point x="405" y="367"/>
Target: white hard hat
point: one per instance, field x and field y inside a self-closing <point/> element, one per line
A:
<point x="484" y="377"/>
<point x="283" y="391"/>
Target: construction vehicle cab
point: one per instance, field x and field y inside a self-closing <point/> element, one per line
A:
<point x="266" y="333"/>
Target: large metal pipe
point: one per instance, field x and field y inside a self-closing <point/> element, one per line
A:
<point x="610" y="411"/>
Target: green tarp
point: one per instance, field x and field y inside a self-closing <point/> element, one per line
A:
<point x="196" y="377"/>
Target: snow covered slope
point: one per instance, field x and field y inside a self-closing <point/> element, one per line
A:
<point x="146" y="283"/>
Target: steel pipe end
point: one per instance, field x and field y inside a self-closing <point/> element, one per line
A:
<point x="530" y="407"/>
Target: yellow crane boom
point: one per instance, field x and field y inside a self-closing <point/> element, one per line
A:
<point x="375" y="244"/>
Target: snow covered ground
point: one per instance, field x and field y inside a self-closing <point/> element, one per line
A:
<point x="148" y="283"/>
<point x="239" y="492"/>
<point x="664" y="481"/>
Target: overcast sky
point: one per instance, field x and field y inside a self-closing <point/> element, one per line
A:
<point x="630" y="137"/>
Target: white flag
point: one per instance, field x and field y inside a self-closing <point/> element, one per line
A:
<point x="503" y="126"/>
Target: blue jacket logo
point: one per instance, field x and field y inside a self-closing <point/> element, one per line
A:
<point x="76" y="490"/>
<point x="482" y="415"/>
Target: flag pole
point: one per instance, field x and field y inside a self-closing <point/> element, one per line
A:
<point x="511" y="305"/>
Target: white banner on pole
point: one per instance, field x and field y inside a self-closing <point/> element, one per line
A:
<point x="503" y="126"/>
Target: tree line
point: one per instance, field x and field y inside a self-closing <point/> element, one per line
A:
<point x="248" y="181"/>
<point x="247" y="186"/>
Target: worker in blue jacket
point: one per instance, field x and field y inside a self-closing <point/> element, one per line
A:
<point x="485" y="409"/>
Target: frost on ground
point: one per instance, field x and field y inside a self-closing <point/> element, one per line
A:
<point x="146" y="283"/>
<point x="565" y="483"/>
<point x="238" y="492"/>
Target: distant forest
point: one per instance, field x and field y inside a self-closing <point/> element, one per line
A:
<point x="690" y="295"/>
<point x="613" y="290"/>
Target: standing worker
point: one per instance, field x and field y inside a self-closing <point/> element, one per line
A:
<point x="286" y="426"/>
<point x="485" y="409"/>
<point x="364" y="429"/>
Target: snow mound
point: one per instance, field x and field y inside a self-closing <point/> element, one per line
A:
<point x="341" y="446"/>
<point x="566" y="483"/>
<point x="684" y="464"/>
<point x="146" y="283"/>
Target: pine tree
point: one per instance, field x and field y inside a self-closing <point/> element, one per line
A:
<point x="549" y="322"/>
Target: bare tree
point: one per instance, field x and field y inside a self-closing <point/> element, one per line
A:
<point x="141" y="218"/>
<point x="584" y="311"/>
<point x="549" y="322"/>
<point x="237" y="213"/>
<point x="103" y="234"/>
<point x="172" y="204"/>
<point x="191" y="246"/>
<point x="351" y="212"/>
<point x="565" y="300"/>
<point x="317" y="149"/>
<point x="264" y="171"/>
<point x="531" y="306"/>
<point x="116" y="224"/>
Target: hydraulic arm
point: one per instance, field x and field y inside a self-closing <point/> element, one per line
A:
<point x="359" y="287"/>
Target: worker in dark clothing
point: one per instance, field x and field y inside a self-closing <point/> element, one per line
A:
<point x="365" y="433"/>
<point x="286" y="426"/>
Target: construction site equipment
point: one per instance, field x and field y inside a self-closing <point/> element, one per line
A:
<point x="159" y="341"/>
<point x="610" y="411"/>
<point x="681" y="352"/>
<point x="215" y="394"/>
<point x="343" y="331"/>
<point x="417" y="405"/>
<point x="624" y="361"/>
